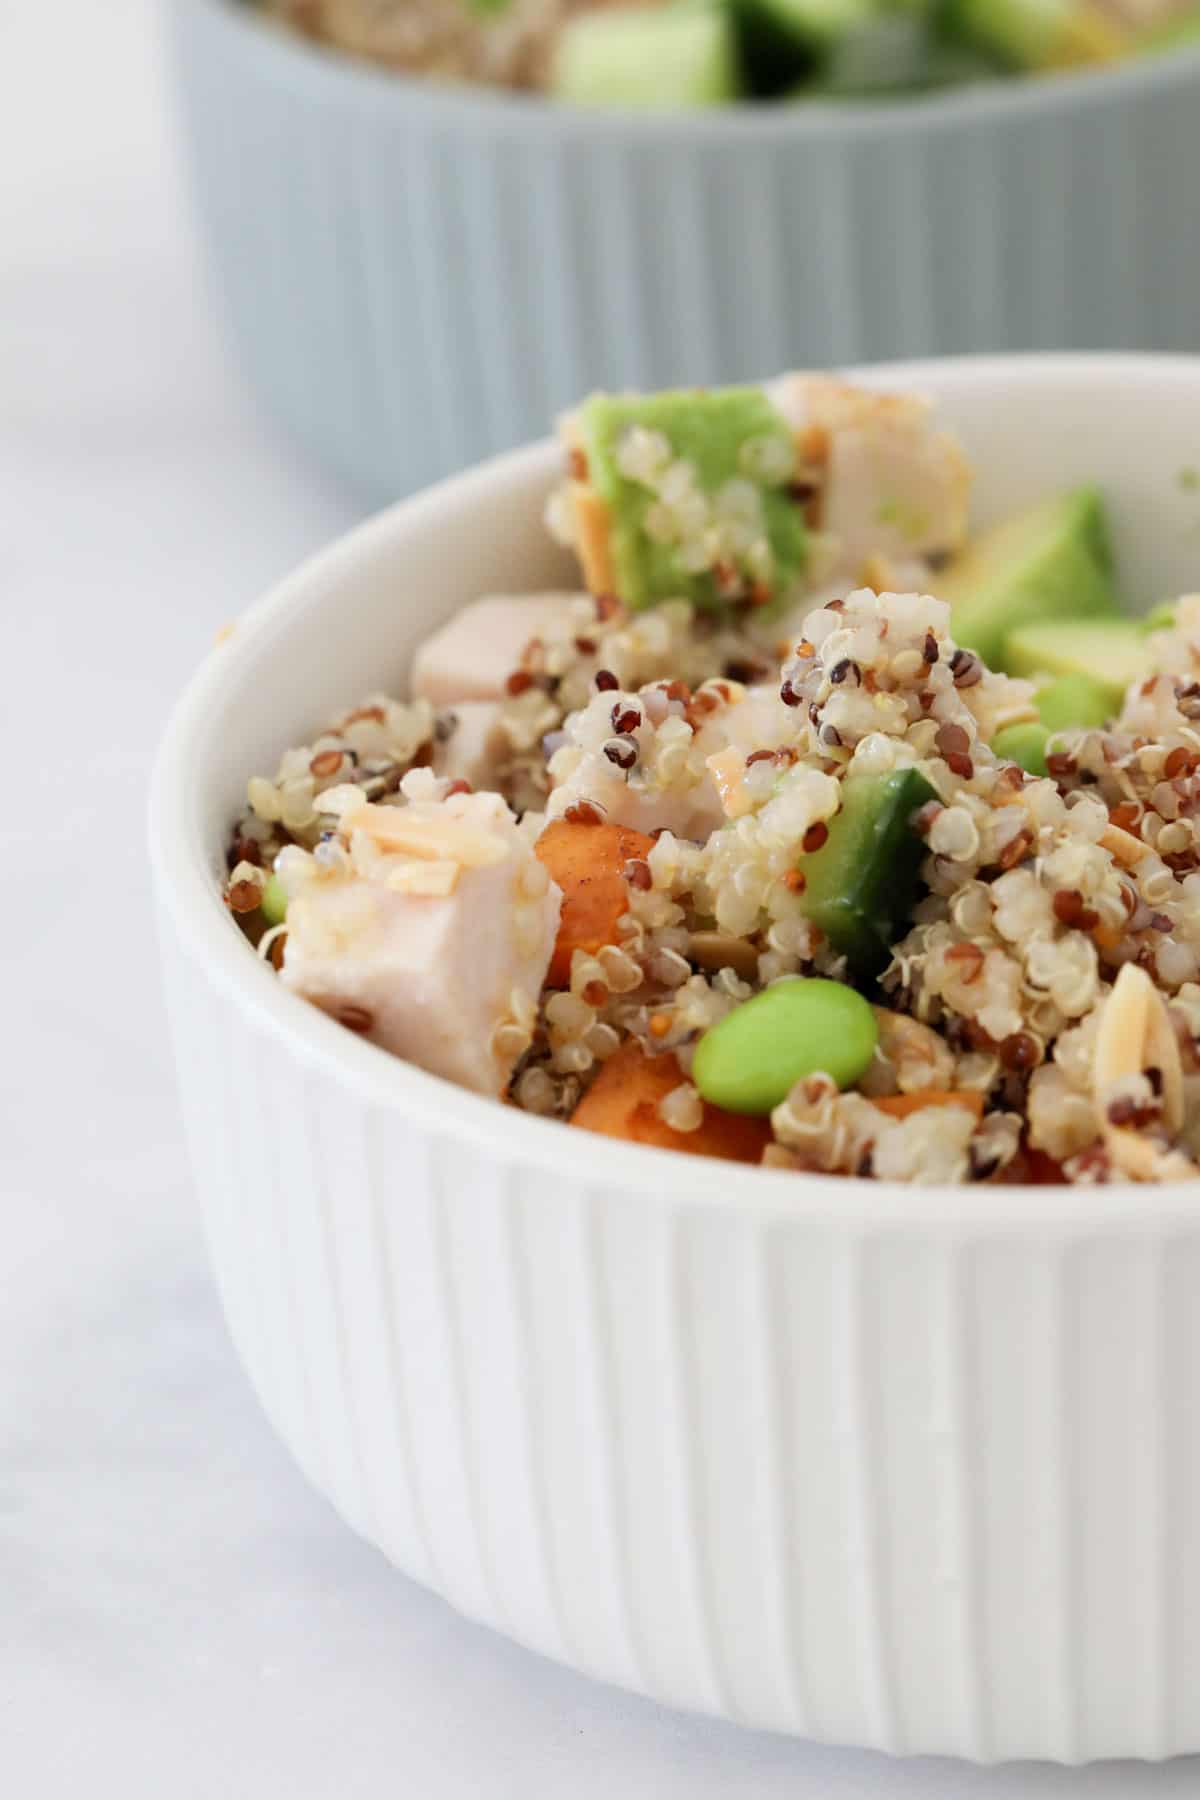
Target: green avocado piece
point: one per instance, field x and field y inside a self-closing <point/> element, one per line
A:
<point x="1160" y="617"/>
<point x="647" y="58"/>
<point x="861" y="885"/>
<point x="1110" y="652"/>
<point x="1024" y="745"/>
<point x="723" y="436"/>
<point x="1073" y="703"/>
<point x="1053" y="561"/>
<point x="1170" y="34"/>
<point x="1038" y="34"/>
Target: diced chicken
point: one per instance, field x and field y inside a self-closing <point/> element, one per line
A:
<point x="442" y="943"/>
<point x="470" y="744"/>
<point x="687" y="807"/>
<point x="472" y="655"/>
<point x="889" y="487"/>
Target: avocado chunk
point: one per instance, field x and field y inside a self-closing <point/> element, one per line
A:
<point x="1160" y="617"/>
<point x="1072" y="703"/>
<point x="1170" y="34"/>
<point x="1023" y="744"/>
<point x="861" y="885"/>
<point x="697" y="500"/>
<point x="1110" y="652"/>
<point x="647" y="58"/>
<point x="1053" y="561"/>
<point x="1039" y="34"/>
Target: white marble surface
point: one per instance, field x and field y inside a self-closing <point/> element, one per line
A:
<point x="179" y="1616"/>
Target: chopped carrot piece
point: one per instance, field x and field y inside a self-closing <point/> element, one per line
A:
<point x="586" y="861"/>
<point x="623" y="1101"/>
<point x="902" y="1105"/>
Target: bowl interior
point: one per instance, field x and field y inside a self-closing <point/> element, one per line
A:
<point x="347" y="623"/>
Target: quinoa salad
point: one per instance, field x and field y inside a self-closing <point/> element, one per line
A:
<point x="675" y="54"/>
<point x="815" y="830"/>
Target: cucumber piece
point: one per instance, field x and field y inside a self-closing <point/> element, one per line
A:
<point x="648" y="59"/>
<point x="1072" y="703"/>
<point x="861" y="885"/>
<point x="1110" y="652"/>
<point x="1052" y="561"/>
<point x="724" y="435"/>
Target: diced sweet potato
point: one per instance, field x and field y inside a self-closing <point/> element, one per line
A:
<point x="901" y="1105"/>
<point x="623" y="1100"/>
<point x="586" y="861"/>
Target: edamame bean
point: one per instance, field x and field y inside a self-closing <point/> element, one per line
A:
<point x="1023" y="744"/>
<point x="749" y="1060"/>
<point x="274" y="901"/>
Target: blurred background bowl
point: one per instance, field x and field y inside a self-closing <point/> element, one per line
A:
<point x="417" y="276"/>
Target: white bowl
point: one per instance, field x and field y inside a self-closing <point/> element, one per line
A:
<point x="916" y="1469"/>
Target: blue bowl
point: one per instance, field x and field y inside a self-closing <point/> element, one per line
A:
<point x="417" y="276"/>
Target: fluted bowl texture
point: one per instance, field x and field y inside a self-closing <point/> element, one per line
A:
<point x="417" y="277"/>
<point x="917" y="1469"/>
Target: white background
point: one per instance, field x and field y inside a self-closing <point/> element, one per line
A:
<point x="179" y="1616"/>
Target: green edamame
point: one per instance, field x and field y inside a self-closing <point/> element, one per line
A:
<point x="749" y="1060"/>
<point x="274" y="901"/>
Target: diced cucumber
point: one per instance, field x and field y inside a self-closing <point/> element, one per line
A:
<point x="1052" y="561"/>
<point x="861" y="885"/>
<point x="1110" y="652"/>
<point x="665" y="59"/>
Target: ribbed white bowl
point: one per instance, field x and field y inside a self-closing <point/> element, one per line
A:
<point x="911" y="1469"/>
<point x="417" y="277"/>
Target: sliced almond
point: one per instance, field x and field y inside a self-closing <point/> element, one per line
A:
<point x="593" y="527"/>
<point x="728" y="768"/>
<point x="1136" y="1035"/>
<point x="427" y="838"/>
<point x="1126" y="849"/>
<point x="429" y="880"/>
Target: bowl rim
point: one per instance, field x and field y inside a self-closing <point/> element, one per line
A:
<point x="323" y="73"/>
<point x="186" y="893"/>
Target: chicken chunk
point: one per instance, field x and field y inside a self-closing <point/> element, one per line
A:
<point x="473" y="654"/>
<point x="435" y="938"/>
<point x="888" y="486"/>
<point x="470" y="744"/>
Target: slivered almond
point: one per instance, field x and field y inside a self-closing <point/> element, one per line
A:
<point x="431" y="880"/>
<point x="728" y="771"/>
<point x="427" y="839"/>
<point x="592" y="532"/>
<point x="1135" y="1035"/>
<point x="1126" y="849"/>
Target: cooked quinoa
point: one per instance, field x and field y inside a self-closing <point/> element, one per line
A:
<point x="1036" y="1007"/>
